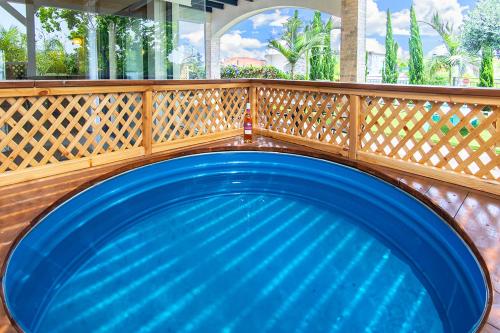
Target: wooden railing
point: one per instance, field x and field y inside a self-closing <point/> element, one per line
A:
<point x="46" y="130"/>
<point x="450" y="134"/>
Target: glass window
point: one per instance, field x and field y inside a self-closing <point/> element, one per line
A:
<point x="117" y="39"/>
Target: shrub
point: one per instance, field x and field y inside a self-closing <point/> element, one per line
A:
<point x="252" y="72"/>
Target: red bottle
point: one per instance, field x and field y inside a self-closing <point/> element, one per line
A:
<point x="247" y="125"/>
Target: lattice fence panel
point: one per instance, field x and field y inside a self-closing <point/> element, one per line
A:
<point x="41" y="130"/>
<point x="183" y="114"/>
<point x="462" y="138"/>
<point x="316" y="116"/>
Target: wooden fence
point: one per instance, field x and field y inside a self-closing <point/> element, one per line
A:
<point x="47" y="131"/>
<point x="442" y="133"/>
<point x="47" y="128"/>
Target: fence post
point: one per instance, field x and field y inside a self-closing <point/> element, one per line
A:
<point x="253" y="104"/>
<point x="354" y="115"/>
<point x="147" y="121"/>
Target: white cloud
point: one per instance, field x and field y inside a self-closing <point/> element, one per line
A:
<point x="438" y="50"/>
<point x="449" y="10"/>
<point x="372" y="45"/>
<point x="274" y="19"/>
<point x="275" y="32"/>
<point x="233" y="44"/>
<point x="195" y="37"/>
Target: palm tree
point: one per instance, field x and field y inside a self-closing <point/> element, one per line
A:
<point x="454" y="56"/>
<point x="13" y="44"/>
<point x="295" y="42"/>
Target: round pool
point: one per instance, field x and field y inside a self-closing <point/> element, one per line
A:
<point x="244" y="242"/>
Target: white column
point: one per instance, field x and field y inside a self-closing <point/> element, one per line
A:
<point x="112" y="50"/>
<point x="30" y="38"/>
<point x="92" y="40"/>
<point x="352" y="47"/>
<point x="175" y="36"/>
<point x="157" y="14"/>
<point x="212" y="51"/>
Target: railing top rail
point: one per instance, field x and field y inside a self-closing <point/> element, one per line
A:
<point x="388" y="88"/>
<point x="109" y="83"/>
<point x="363" y="87"/>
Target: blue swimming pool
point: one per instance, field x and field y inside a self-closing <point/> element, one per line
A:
<point x="244" y="242"/>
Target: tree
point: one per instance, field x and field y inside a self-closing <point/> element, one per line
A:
<point x="78" y="27"/>
<point x="52" y="58"/>
<point x="13" y="44"/>
<point x="390" y="70"/>
<point x="195" y="65"/>
<point x="316" y="59"/>
<point x="486" y="75"/>
<point x="416" y="63"/>
<point x="480" y="34"/>
<point x="294" y="42"/>
<point x="322" y="60"/>
<point x="259" y="72"/>
<point x="455" y="58"/>
<point x="128" y="31"/>
<point x="329" y="58"/>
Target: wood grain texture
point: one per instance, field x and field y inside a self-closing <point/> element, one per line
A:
<point x="477" y="214"/>
<point x="443" y="133"/>
<point x="427" y="90"/>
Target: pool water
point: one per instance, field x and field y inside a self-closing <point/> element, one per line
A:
<point x="243" y="242"/>
<point x="243" y="263"/>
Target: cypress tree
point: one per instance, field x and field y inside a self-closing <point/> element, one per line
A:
<point x="486" y="78"/>
<point x="316" y="67"/>
<point x="328" y="72"/>
<point x="416" y="63"/>
<point x="480" y="34"/>
<point x="390" y="71"/>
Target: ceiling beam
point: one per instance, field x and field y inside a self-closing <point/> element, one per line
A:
<point x="228" y="2"/>
<point x="12" y="11"/>
<point x="214" y="4"/>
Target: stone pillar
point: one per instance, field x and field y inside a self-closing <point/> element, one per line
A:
<point x="352" y="47"/>
<point x="212" y="52"/>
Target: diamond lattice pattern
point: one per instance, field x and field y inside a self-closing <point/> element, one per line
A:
<point x="41" y="130"/>
<point x="463" y="138"/>
<point x="182" y="114"/>
<point x="316" y="116"/>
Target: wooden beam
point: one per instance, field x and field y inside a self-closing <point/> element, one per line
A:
<point x="214" y="4"/>
<point x="147" y="121"/>
<point x="354" y="112"/>
<point x="228" y="2"/>
<point x="13" y="12"/>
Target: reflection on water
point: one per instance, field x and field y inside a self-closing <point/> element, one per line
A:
<point x="243" y="263"/>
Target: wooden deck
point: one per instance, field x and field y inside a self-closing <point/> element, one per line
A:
<point x="477" y="213"/>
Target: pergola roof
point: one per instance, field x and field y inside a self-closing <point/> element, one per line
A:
<point x="127" y="6"/>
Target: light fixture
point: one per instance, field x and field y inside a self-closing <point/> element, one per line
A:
<point x="77" y="41"/>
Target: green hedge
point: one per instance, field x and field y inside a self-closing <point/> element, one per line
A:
<point x="252" y="72"/>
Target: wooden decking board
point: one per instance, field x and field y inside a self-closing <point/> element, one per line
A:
<point x="477" y="213"/>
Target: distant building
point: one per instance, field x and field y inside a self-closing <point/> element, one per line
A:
<point x="375" y="65"/>
<point x="242" y="61"/>
<point x="276" y="59"/>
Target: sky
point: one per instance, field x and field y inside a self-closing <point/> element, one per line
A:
<point x="250" y="37"/>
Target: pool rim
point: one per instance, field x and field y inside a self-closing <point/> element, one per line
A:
<point x="306" y="152"/>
